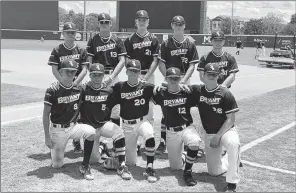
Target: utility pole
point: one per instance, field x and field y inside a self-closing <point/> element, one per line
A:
<point x="84" y="22"/>
<point x="231" y="18"/>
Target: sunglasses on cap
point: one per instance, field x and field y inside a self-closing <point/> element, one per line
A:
<point x="178" y="24"/>
<point x="104" y="22"/>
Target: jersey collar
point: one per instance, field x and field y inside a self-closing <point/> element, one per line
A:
<point x="212" y="89"/>
<point x="133" y="85"/>
<point x="142" y="36"/>
<point x="180" y="42"/>
<point x="218" y="55"/>
<point x="65" y="86"/>
<point x="69" y="48"/>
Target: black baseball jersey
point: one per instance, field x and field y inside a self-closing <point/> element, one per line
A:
<point x="260" y="44"/>
<point x="95" y="108"/>
<point x="175" y="107"/>
<point x="142" y="48"/>
<point x="61" y="53"/>
<point x="133" y="100"/>
<point x="226" y="62"/>
<point x="238" y="44"/>
<point x="213" y="107"/>
<point x="65" y="103"/>
<point x="178" y="54"/>
<point x="106" y="51"/>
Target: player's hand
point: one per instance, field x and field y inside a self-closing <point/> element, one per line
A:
<point x="48" y="142"/>
<point x="143" y="80"/>
<point x="106" y="82"/>
<point x="185" y="88"/>
<point x="215" y="142"/>
<point x="163" y="85"/>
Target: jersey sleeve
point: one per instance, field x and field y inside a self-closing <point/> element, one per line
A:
<point x="157" y="98"/>
<point x="193" y="55"/>
<point x="83" y="57"/>
<point x="201" y="64"/>
<point x="162" y="55"/>
<point x="121" y="51"/>
<point x="128" y="47"/>
<point x="233" y="68"/>
<point x="194" y="96"/>
<point x="89" y="47"/>
<point x="114" y="96"/>
<point x="229" y="105"/>
<point x="49" y="96"/>
<point x="155" y="47"/>
<point x="54" y="58"/>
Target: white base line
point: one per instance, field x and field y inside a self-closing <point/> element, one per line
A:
<point x="268" y="167"/>
<point x="19" y="120"/>
<point x="270" y="135"/>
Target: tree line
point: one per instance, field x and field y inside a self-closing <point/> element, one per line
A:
<point x="271" y="24"/>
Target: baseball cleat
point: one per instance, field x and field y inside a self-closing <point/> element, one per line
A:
<point x="230" y="187"/>
<point x="77" y="147"/>
<point x="86" y="171"/>
<point x="187" y="175"/>
<point x="124" y="173"/>
<point x="161" y="148"/>
<point x="149" y="174"/>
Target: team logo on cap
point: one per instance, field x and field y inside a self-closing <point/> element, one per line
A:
<point x="71" y="63"/>
<point x="134" y="63"/>
<point x="212" y="67"/>
<point x="70" y="26"/>
<point x="174" y="71"/>
<point x="218" y="34"/>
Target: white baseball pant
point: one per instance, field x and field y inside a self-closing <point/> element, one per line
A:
<point x="217" y="163"/>
<point x="131" y="133"/>
<point x="175" y="144"/>
<point x="60" y="137"/>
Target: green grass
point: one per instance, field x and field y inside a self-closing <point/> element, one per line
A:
<point x="25" y="159"/>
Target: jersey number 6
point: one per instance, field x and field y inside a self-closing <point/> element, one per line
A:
<point x="139" y="102"/>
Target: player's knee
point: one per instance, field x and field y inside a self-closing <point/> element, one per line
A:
<point x="150" y="142"/>
<point x="91" y="137"/>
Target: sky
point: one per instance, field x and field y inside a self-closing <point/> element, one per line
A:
<point x="250" y="9"/>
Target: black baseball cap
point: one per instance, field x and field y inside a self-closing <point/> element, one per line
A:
<point x="212" y="68"/>
<point x="69" y="26"/>
<point x="173" y="72"/>
<point x="104" y="16"/>
<point x="69" y="64"/>
<point x="133" y="64"/>
<point x="96" y="68"/>
<point x="178" y="19"/>
<point x="218" y="35"/>
<point x="142" y="14"/>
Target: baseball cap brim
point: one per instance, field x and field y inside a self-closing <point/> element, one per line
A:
<point x="212" y="72"/>
<point x="173" y="75"/>
<point x="69" y="69"/>
<point x="96" y="72"/>
<point x="132" y="68"/>
<point x="70" y="30"/>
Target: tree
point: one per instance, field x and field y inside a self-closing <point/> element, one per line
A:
<point x="289" y="29"/>
<point x="293" y="19"/>
<point x="226" y="26"/>
<point x="273" y="23"/>
<point x="254" y="27"/>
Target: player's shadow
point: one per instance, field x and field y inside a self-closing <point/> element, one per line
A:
<point x="47" y="172"/>
<point x="44" y="156"/>
<point x="164" y="156"/>
<point x="219" y="182"/>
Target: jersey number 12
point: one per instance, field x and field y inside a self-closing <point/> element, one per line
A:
<point x="182" y="110"/>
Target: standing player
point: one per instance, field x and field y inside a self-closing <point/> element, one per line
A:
<point x="133" y="97"/>
<point x="95" y="111"/>
<point x="217" y="108"/>
<point x="61" y="107"/>
<point x="238" y="46"/>
<point x="175" y="105"/>
<point x="226" y="61"/>
<point x="69" y="50"/>
<point x="260" y="50"/>
<point x="144" y="46"/>
<point x="178" y="52"/>
<point x="109" y="50"/>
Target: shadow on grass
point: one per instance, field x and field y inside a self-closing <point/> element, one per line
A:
<point x="45" y="156"/>
<point x="70" y="169"/>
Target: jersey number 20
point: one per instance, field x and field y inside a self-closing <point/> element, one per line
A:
<point x="139" y="102"/>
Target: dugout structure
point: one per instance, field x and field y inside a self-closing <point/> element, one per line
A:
<point x="161" y="14"/>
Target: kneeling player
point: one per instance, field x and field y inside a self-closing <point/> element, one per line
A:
<point x="175" y="105"/>
<point x="61" y="104"/>
<point x="217" y="108"/>
<point x="133" y="97"/>
<point x="95" y="111"/>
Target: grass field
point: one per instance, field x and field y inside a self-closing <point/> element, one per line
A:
<point x="266" y="98"/>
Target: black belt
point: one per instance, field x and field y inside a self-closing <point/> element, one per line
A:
<point x="108" y="71"/>
<point x="178" y="128"/>
<point x="63" y="125"/>
<point x="132" y="122"/>
<point x="143" y="72"/>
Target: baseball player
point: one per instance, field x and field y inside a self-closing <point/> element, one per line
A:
<point x="109" y="50"/>
<point x="226" y="61"/>
<point x="133" y="97"/>
<point x="260" y="50"/>
<point x="238" y="46"/>
<point x="217" y="108"/>
<point x="69" y="50"/>
<point x="175" y="105"/>
<point x="95" y="111"/>
<point x="61" y="108"/>
<point x="178" y="52"/>
<point x="144" y="46"/>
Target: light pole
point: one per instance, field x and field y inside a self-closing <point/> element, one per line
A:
<point x="231" y="18"/>
<point x="84" y="21"/>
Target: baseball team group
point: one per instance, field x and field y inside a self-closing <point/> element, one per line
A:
<point x="105" y="107"/>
